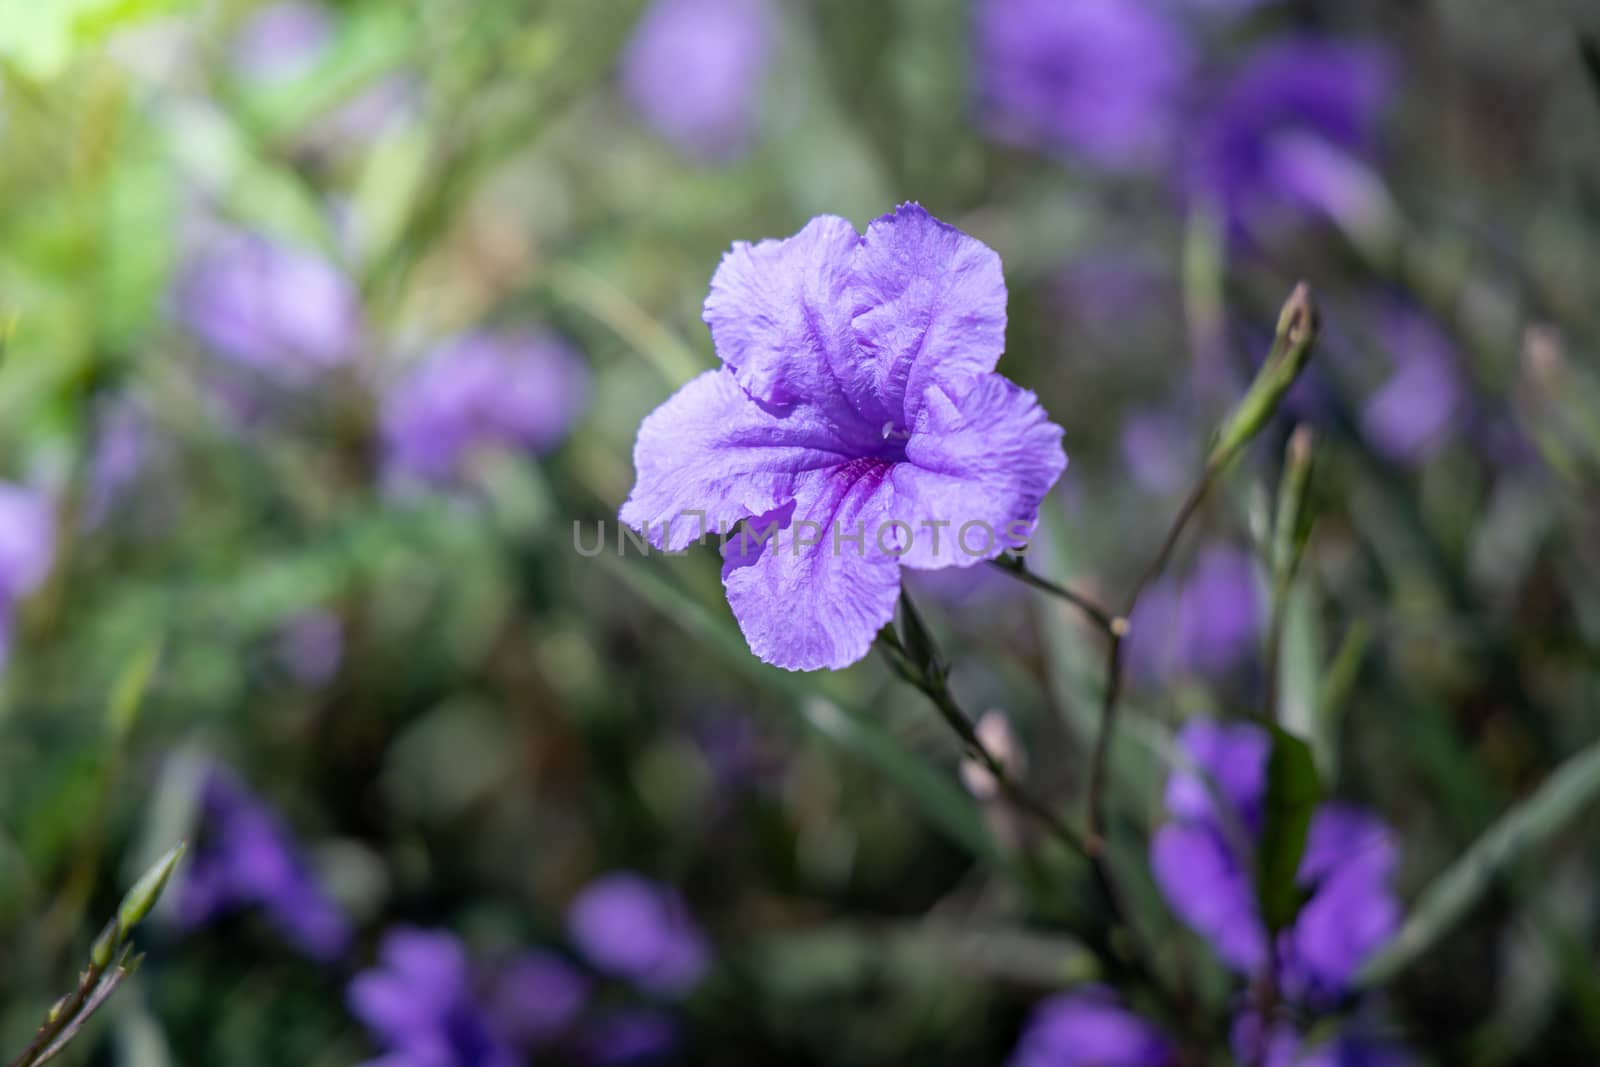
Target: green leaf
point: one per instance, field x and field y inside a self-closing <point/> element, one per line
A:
<point x="1292" y="794"/>
<point x="1567" y="792"/>
<point x="1589" y="49"/>
<point x="133" y="682"/>
<point x="41" y="38"/>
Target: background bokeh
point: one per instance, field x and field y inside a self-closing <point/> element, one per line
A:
<point x="327" y="331"/>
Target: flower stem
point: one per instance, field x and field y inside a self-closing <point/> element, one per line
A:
<point x="935" y="686"/>
<point x="1291" y="348"/>
<point x="1017" y="567"/>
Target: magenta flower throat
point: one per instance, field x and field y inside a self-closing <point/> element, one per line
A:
<point x="856" y="427"/>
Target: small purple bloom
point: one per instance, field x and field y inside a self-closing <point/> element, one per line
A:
<point x="284" y="312"/>
<point x="857" y="424"/>
<point x="1412" y="414"/>
<point x="282" y="41"/>
<point x="1090" y="1028"/>
<point x="27" y="542"/>
<point x="1208" y="623"/>
<point x="1203" y="868"/>
<point x="1100" y="79"/>
<point x="246" y="858"/>
<point x="633" y="928"/>
<point x="493" y="390"/>
<point x="1268" y="147"/>
<point x="537" y="996"/>
<point x="694" y="71"/>
<point x="420" y="1006"/>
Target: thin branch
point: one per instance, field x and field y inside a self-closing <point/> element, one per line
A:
<point x="1017" y="567"/>
<point x="936" y="689"/>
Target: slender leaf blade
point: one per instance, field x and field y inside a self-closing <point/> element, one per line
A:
<point x="1571" y="789"/>
<point x="1292" y="794"/>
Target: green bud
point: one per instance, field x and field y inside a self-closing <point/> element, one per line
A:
<point x="1291" y="349"/>
<point x="147" y="890"/>
<point x="106" y="944"/>
<point x="1292" y="525"/>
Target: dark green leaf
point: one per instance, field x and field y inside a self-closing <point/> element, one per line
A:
<point x="1292" y="795"/>
<point x="1589" y="48"/>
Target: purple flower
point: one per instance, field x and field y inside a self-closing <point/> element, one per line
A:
<point x="1277" y="141"/>
<point x="1412" y="414"/>
<point x="856" y="423"/>
<point x="283" y="312"/>
<point x="633" y="928"/>
<point x="694" y="71"/>
<point x="1206" y="624"/>
<point x="420" y="1007"/>
<point x="1100" y="79"/>
<point x="1201" y="862"/>
<point x="1090" y="1028"/>
<point x="27" y="542"/>
<point x="537" y="996"/>
<point x="246" y="858"/>
<point x="498" y="390"/>
<point x="282" y="41"/>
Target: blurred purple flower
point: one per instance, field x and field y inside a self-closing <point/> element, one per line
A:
<point x="630" y="1037"/>
<point x="419" y="1005"/>
<point x="857" y="392"/>
<point x="282" y="311"/>
<point x="246" y="858"/>
<point x="1271" y="145"/>
<point x="120" y="451"/>
<point x="507" y="390"/>
<point x="27" y="542"/>
<point x="1203" y="869"/>
<point x="1089" y="1027"/>
<point x="1411" y="415"/>
<point x="1160" y="450"/>
<point x="282" y="40"/>
<point x="694" y="71"/>
<point x="536" y="997"/>
<point x="1100" y="79"/>
<point x="311" y="646"/>
<point x="1208" y="623"/>
<point x="633" y="928"/>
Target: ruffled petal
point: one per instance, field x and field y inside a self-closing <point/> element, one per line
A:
<point x="930" y="310"/>
<point x="1210" y="891"/>
<point x="810" y="587"/>
<point x="976" y="469"/>
<point x="712" y="449"/>
<point x="779" y="314"/>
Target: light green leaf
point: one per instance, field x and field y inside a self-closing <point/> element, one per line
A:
<point x="1567" y="792"/>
